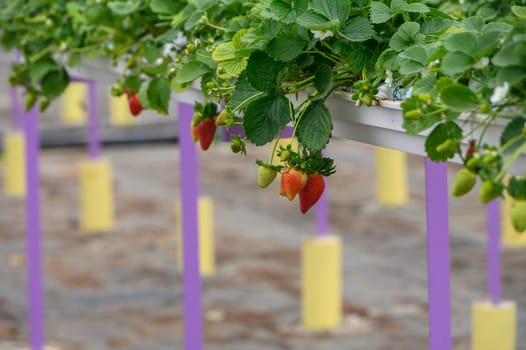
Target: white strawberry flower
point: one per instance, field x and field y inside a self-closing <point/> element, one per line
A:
<point x="322" y="34"/>
<point x="499" y="93"/>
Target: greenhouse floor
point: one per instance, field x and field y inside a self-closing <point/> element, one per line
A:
<point x="122" y="290"/>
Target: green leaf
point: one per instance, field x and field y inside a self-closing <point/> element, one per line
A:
<point x="463" y="41"/>
<point x="414" y="126"/>
<point x="316" y="21"/>
<point x="263" y="72"/>
<point x="124" y="8"/>
<point x="323" y="82"/>
<point x="152" y="52"/>
<point x="416" y="7"/>
<point x="507" y="56"/>
<point x="415" y="53"/>
<point x="243" y="92"/>
<point x="511" y="74"/>
<point x="424" y="85"/>
<point x="332" y="9"/>
<point x="379" y="12"/>
<point x="475" y="23"/>
<point x="191" y="71"/>
<point x="458" y="97"/>
<point x="133" y="82"/>
<point x="265" y="116"/>
<point x="41" y="67"/>
<point x="269" y="29"/>
<point x="441" y="134"/>
<point x="406" y="36"/>
<point x="286" y="46"/>
<point x="165" y="6"/>
<point x="55" y="82"/>
<point x="358" y="29"/>
<point x="519" y="11"/>
<point x="231" y="68"/>
<point x="513" y="131"/>
<point x="158" y="92"/>
<point x="456" y="63"/>
<point x="314" y="128"/>
<point x="225" y="52"/>
<point x="283" y="11"/>
<point x="517" y="188"/>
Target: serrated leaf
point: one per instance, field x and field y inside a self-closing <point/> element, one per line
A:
<point x="415" y="53"/>
<point x="286" y="46"/>
<point x="358" y="29"/>
<point x="243" y="92"/>
<point x="314" y="129"/>
<point x="316" y="21"/>
<point x="434" y="25"/>
<point x="264" y="117"/>
<point x="165" y="6"/>
<point x="191" y="71"/>
<point x="225" y="52"/>
<point x="464" y="41"/>
<point x="379" y="12"/>
<point x="512" y="75"/>
<point x="458" y="97"/>
<point x="133" y="82"/>
<point x="334" y="10"/>
<point x="158" y="93"/>
<point x="512" y="131"/>
<point x="440" y="134"/>
<point x="323" y="82"/>
<point x="456" y="63"/>
<point x="54" y="82"/>
<point x="124" y="8"/>
<point x="416" y="7"/>
<point x="231" y="68"/>
<point x="424" y="85"/>
<point x="263" y="72"/>
<point x="414" y="126"/>
<point x="405" y="36"/>
<point x="152" y="52"/>
<point x="507" y="56"/>
<point x="473" y="23"/>
<point x="283" y="11"/>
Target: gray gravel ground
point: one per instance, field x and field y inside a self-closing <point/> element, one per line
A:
<point x="122" y="290"/>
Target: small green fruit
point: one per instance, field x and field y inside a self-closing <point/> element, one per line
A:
<point x="265" y="176"/>
<point x="464" y="182"/>
<point x="284" y="155"/>
<point x="489" y="190"/>
<point x="221" y="118"/>
<point x="518" y="216"/>
<point x="236" y="145"/>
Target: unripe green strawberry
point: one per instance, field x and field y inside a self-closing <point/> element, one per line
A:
<point x="413" y="114"/>
<point x="31" y="99"/>
<point x="236" y="145"/>
<point x="284" y="155"/>
<point x="464" y="182"/>
<point x="474" y="163"/>
<point x="518" y="216"/>
<point x="448" y="146"/>
<point x="266" y="176"/>
<point x="489" y="190"/>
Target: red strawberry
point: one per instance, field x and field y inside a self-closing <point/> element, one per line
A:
<point x="135" y="104"/>
<point x="311" y="192"/>
<point x="206" y="130"/>
<point x="292" y="181"/>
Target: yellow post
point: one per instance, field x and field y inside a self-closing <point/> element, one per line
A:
<point x="120" y="114"/>
<point x="15" y="164"/>
<point x="321" y="283"/>
<point x="391" y="177"/>
<point x="493" y="326"/>
<point x="510" y="237"/>
<point x="206" y="236"/>
<point x="96" y="195"/>
<point x="73" y="104"/>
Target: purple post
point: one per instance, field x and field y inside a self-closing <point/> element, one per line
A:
<point x="93" y="121"/>
<point x="493" y="251"/>
<point x="34" y="268"/>
<point x="322" y="212"/>
<point x="438" y="261"/>
<point x="193" y="323"/>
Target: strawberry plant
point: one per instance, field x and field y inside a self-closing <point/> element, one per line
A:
<point x="459" y="67"/>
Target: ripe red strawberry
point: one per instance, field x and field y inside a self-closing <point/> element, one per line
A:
<point x="292" y="181"/>
<point x="206" y="130"/>
<point x="311" y="192"/>
<point x="135" y="104"/>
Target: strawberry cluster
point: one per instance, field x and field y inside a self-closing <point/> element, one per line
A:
<point x="302" y="174"/>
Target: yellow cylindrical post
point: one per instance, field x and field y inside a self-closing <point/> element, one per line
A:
<point x="321" y="283"/>
<point x="73" y="104"/>
<point x="493" y="326"/>
<point x="206" y="236"/>
<point x="14" y="164"/>
<point x="391" y="177"/>
<point x="96" y="195"/>
<point x="120" y="114"/>
<point x="510" y="237"/>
